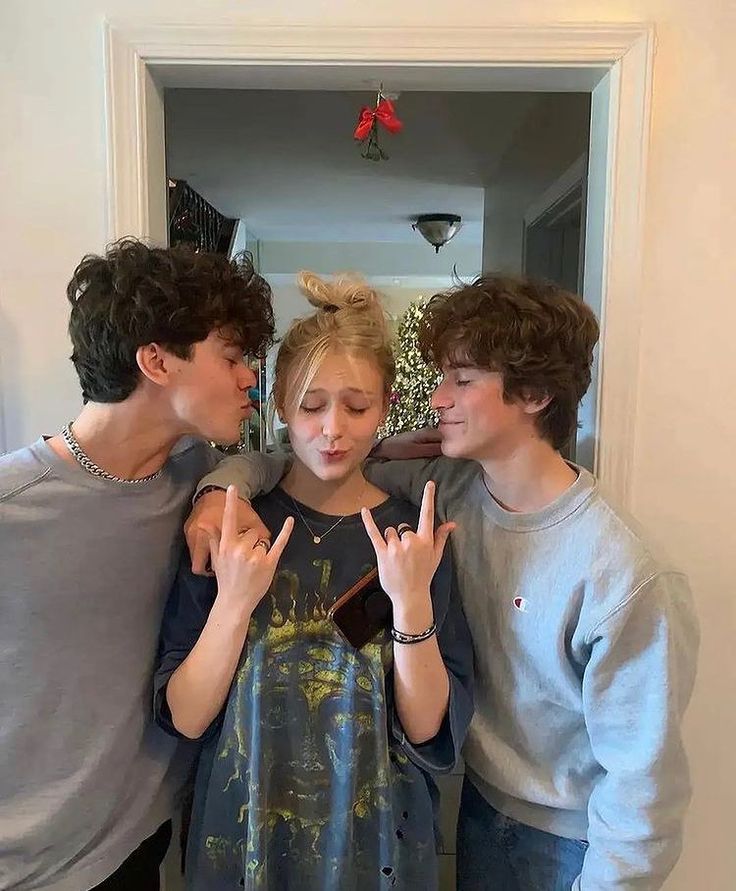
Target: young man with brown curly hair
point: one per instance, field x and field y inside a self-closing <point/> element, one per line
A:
<point x="90" y="535"/>
<point x="584" y="635"/>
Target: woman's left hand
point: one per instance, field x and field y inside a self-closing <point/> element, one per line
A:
<point x="408" y="560"/>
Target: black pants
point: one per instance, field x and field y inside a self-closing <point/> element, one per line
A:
<point x="140" y="872"/>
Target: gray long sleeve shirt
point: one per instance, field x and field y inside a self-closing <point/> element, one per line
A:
<point x="585" y="644"/>
<point x="86" y="566"/>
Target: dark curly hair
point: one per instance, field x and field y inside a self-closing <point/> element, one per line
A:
<point x="539" y="336"/>
<point x="136" y="295"/>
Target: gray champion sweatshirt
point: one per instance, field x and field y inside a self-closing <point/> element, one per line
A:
<point x="585" y="644"/>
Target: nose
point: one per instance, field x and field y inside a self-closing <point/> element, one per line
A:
<point x="332" y="424"/>
<point x="441" y="398"/>
<point x="246" y="378"/>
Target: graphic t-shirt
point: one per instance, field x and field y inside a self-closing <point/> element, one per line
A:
<point x="306" y="780"/>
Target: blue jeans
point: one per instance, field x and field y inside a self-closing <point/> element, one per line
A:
<point x="496" y="853"/>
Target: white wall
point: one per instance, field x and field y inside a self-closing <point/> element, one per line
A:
<point x="53" y="210"/>
<point x="553" y="136"/>
<point x="373" y="258"/>
<point x="401" y="272"/>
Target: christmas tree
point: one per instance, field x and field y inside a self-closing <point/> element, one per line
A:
<point x="409" y="407"/>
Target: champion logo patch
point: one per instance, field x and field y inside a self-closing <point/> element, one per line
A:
<point x="521" y="604"/>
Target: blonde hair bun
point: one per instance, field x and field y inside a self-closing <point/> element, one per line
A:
<point x="345" y="291"/>
<point x="349" y="317"/>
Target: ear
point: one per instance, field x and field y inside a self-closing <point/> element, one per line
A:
<point x="155" y="363"/>
<point x="534" y="402"/>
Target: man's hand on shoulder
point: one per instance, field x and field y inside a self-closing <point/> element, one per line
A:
<point x="424" y="443"/>
<point x="206" y="516"/>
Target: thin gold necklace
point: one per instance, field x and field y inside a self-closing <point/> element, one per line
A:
<point x="318" y="538"/>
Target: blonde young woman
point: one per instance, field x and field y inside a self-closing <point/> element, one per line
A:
<point x="315" y="772"/>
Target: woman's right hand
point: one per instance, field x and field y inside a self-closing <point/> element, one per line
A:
<point x="243" y="562"/>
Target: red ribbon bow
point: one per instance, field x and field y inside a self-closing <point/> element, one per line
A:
<point x="383" y="113"/>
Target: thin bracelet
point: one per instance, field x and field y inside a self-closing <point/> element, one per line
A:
<point x="402" y="638"/>
<point x="205" y="490"/>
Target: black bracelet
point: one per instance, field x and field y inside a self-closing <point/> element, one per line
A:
<point x="402" y="638"/>
<point x="206" y="490"/>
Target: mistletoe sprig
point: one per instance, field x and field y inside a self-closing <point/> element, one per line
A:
<point x="367" y="132"/>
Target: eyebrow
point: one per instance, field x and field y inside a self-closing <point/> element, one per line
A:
<point x="357" y="390"/>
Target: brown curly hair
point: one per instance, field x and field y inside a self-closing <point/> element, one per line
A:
<point x="136" y="295"/>
<point x="539" y="336"/>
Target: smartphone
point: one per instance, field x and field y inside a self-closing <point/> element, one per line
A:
<point x="362" y="611"/>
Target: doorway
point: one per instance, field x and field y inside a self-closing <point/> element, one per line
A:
<point x="611" y="62"/>
<point x="285" y="166"/>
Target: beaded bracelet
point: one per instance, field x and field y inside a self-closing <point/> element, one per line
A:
<point x="402" y="638"/>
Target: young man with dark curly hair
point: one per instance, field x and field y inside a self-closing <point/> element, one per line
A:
<point x="584" y="635"/>
<point x="90" y="535"/>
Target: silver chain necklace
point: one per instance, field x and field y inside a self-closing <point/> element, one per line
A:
<point x="318" y="538"/>
<point x="89" y="465"/>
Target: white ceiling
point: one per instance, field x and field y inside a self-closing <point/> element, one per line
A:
<point x="286" y="162"/>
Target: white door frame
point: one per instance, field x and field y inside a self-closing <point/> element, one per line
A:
<point x="617" y="57"/>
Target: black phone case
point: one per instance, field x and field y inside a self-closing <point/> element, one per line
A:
<point x="363" y="611"/>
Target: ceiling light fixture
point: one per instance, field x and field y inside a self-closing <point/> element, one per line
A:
<point x="437" y="228"/>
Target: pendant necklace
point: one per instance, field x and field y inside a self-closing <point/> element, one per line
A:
<point x="318" y="538"/>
